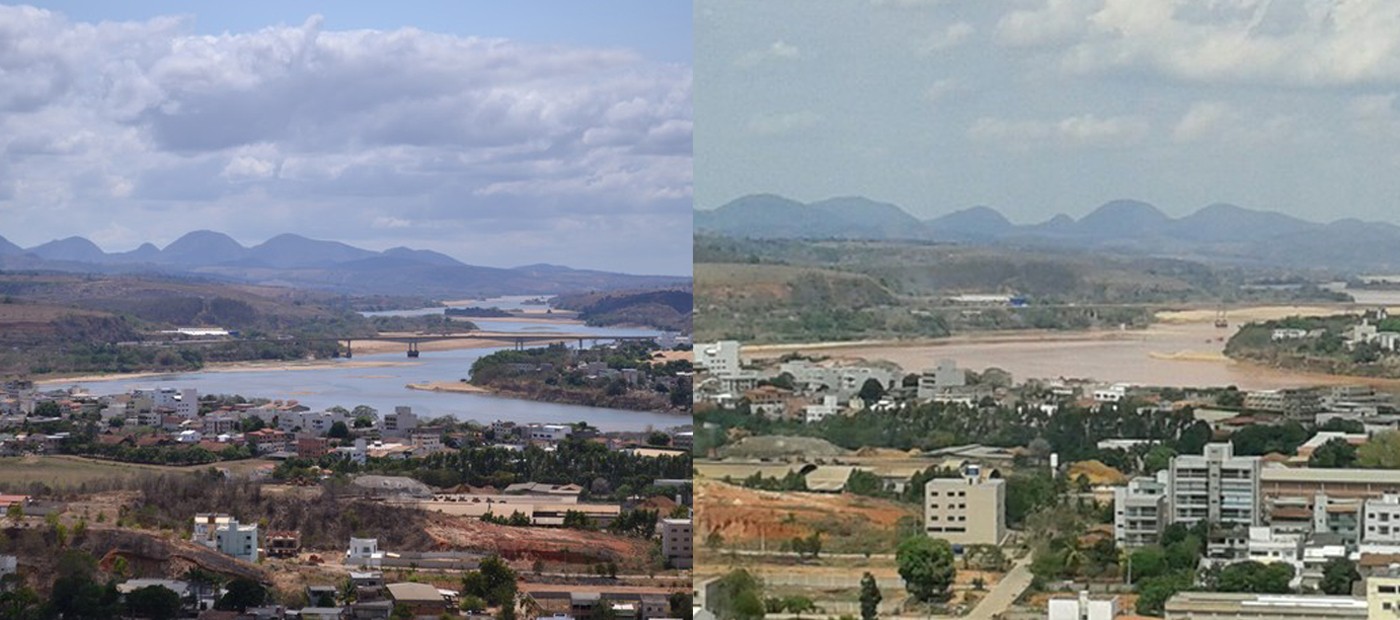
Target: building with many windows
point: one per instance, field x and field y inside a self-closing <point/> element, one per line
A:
<point x="1381" y="517"/>
<point x="677" y="539"/>
<point x="968" y="510"/>
<point x="1141" y="511"/>
<point x="237" y="540"/>
<point x="1217" y="487"/>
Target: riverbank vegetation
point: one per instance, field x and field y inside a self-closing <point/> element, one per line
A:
<point x="667" y="309"/>
<point x="602" y="473"/>
<point x="1317" y="344"/>
<point x="622" y="376"/>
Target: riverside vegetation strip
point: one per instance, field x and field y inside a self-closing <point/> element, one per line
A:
<point x="1322" y="344"/>
<point x="622" y="376"/>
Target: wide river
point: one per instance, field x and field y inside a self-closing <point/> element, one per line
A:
<point x="1184" y="349"/>
<point x="379" y="381"/>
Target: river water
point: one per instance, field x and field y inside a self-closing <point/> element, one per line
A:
<point x="379" y="381"/>
<point x="1166" y="354"/>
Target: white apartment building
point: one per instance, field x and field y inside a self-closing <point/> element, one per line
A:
<point x="159" y="397"/>
<point x="718" y="358"/>
<point x="1217" y="487"/>
<point x="206" y="524"/>
<point x="1381" y="520"/>
<point x="239" y="541"/>
<point x="677" y="539"/>
<point x="316" y="422"/>
<point x="549" y="432"/>
<point x="1082" y="608"/>
<point x="820" y="411"/>
<point x="1141" y="511"/>
<point x="364" y="552"/>
<point x="1266" y="546"/>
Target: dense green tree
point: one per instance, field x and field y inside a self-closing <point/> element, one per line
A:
<point x="1230" y="398"/>
<point x="1148" y="562"/>
<point x="1261" y="439"/>
<point x="1185" y="554"/>
<point x="1338" y="575"/>
<point x="1256" y="577"/>
<point x="658" y="438"/>
<point x="871" y="391"/>
<point x="154" y="602"/>
<point x="1193" y="438"/>
<point x="808" y="546"/>
<point x="1154" y="592"/>
<point x="1158" y="457"/>
<point x="1382" y="451"/>
<point x="1336" y="453"/>
<point x="76" y="594"/>
<point x="862" y="482"/>
<point x="18" y="602"/>
<point x="682" y="605"/>
<point x="493" y="581"/>
<point x="1026" y="493"/>
<point x="926" y="564"/>
<point x="738" y="595"/>
<point x="1342" y="425"/>
<point x="798" y="605"/>
<point x="338" y="431"/>
<point x="241" y="594"/>
<point x="576" y="519"/>
<point x="869" y="597"/>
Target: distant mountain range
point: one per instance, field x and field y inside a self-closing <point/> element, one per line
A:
<point x="293" y="260"/>
<point x="1218" y="231"/>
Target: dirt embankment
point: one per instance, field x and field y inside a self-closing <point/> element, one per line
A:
<point x="548" y="544"/>
<point x="747" y="517"/>
<point x="146" y="554"/>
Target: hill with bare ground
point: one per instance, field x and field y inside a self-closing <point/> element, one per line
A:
<point x="748" y="518"/>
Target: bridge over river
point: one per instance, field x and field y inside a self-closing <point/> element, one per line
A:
<point x="520" y="340"/>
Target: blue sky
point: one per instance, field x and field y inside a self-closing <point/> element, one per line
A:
<point x="660" y="30"/>
<point x="1038" y="107"/>
<point x="501" y="133"/>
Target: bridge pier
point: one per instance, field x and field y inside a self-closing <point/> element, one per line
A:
<point x="349" y="348"/>
<point x="413" y="348"/>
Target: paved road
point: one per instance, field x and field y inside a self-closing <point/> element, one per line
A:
<point x="1005" y="592"/>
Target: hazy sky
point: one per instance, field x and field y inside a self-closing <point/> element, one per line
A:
<point x="1037" y="107"/>
<point x="500" y="133"/>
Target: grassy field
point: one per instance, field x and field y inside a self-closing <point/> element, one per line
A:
<point x="69" y="471"/>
